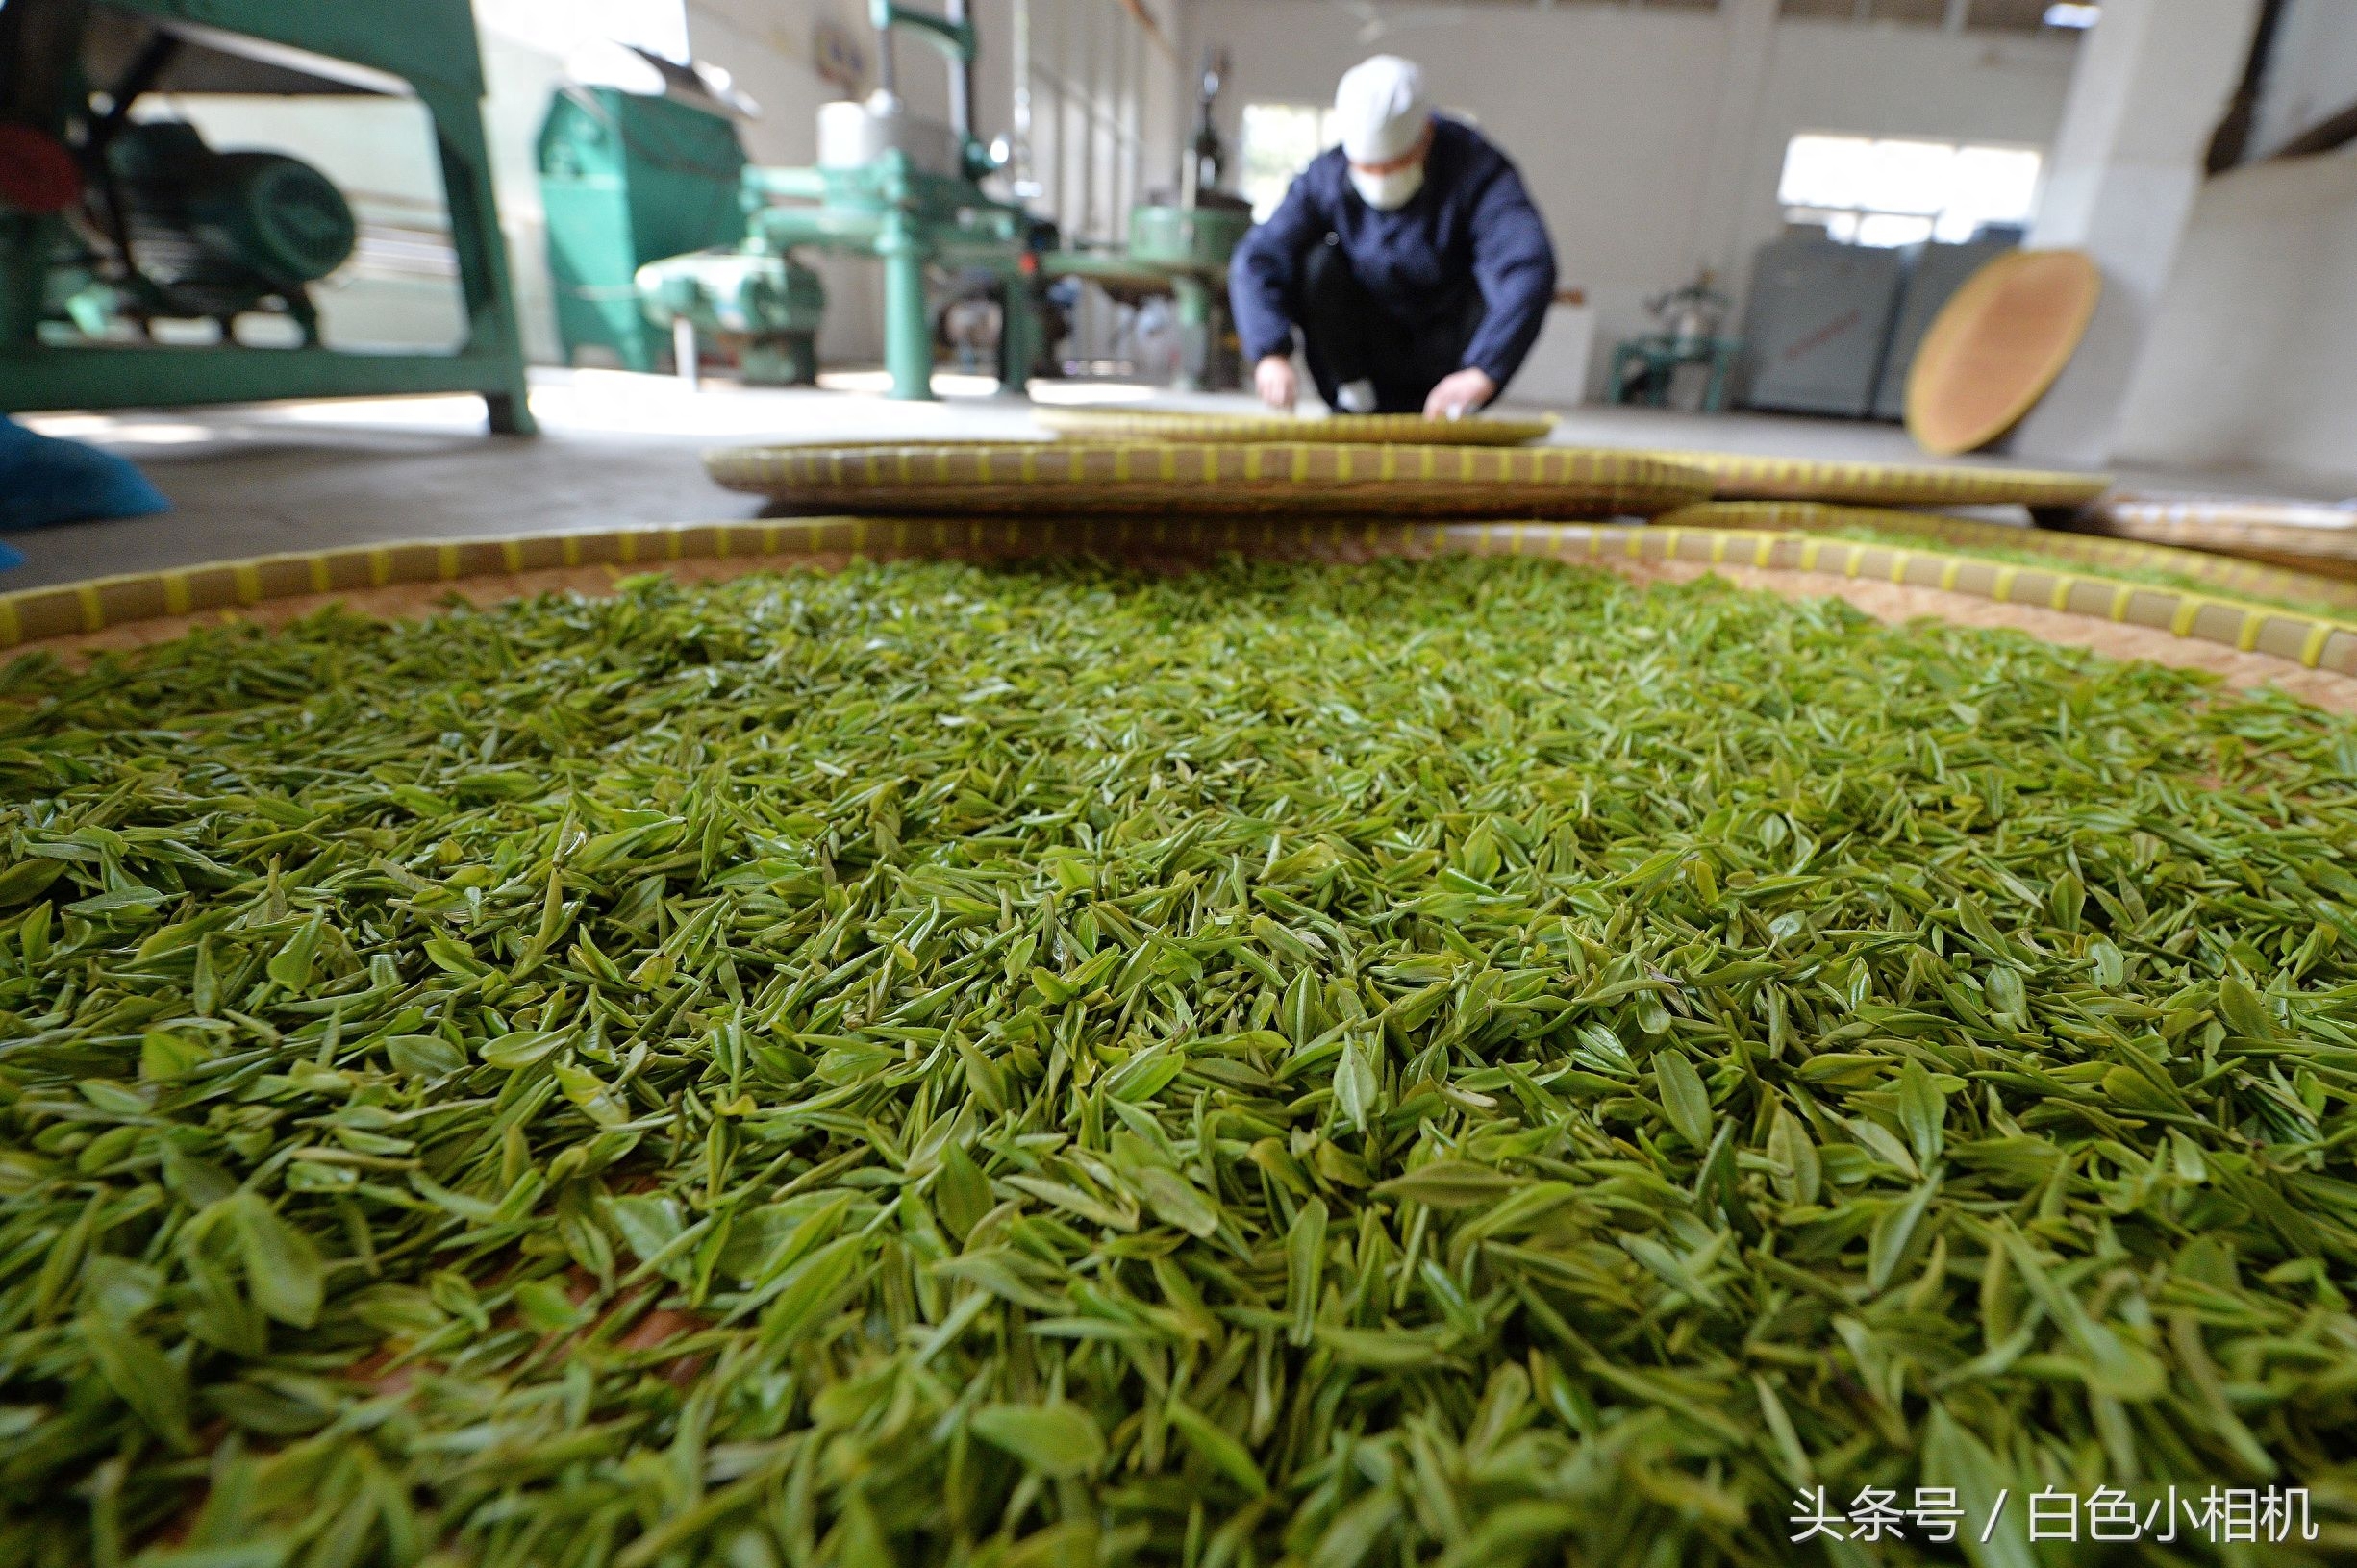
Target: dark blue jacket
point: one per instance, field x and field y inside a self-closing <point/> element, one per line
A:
<point x="1471" y="227"/>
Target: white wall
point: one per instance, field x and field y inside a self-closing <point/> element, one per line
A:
<point x="520" y="79"/>
<point x="2252" y="357"/>
<point x="2312" y="71"/>
<point x="1629" y="124"/>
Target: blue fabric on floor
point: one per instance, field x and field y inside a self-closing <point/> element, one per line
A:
<point x="45" y="480"/>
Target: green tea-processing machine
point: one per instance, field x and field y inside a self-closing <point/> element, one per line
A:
<point x="1180" y="244"/>
<point x="908" y="191"/>
<point x="137" y="220"/>
<point x="630" y="180"/>
<point x="887" y="184"/>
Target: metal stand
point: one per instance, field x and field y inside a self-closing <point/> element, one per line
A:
<point x="428" y="45"/>
<point x="1649" y="363"/>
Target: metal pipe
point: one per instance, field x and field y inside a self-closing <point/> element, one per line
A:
<point x="1019" y="169"/>
<point x="803" y="184"/>
<point x="908" y="338"/>
<point x="961" y="82"/>
<point x="686" y="360"/>
<point x="1086" y="74"/>
<point x="1133" y="135"/>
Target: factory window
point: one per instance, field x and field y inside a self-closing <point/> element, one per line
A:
<point x="1279" y="140"/>
<point x="1985" y="15"/>
<point x="1897" y="192"/>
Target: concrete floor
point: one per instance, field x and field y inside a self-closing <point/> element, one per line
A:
<point x="614" y="449"/>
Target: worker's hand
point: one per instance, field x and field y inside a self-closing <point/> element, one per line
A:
<point x="1274" y="380"/>
<point x="1460" y="394"/>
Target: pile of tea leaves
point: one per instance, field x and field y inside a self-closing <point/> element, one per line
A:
<point x="1463" y="1062"/>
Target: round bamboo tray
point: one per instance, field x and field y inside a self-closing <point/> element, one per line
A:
<point x="1738" y="476"/>
<point x="2229" y="574"/>
<point x="409" y="579"/>
<point x="2306" y="535"/>
<point x="1298" y="478"/>
<point x="1996" y="345"/>
<point x="1351" y="428"/>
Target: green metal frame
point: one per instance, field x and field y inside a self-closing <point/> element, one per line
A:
<point x="431" y="45"/>
<point x="1652" y="359"/>
<point x="908" y="219"/>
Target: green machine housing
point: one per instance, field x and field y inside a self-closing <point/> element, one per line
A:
<point x="164" y="227"/>
<point x="629" y="182"/>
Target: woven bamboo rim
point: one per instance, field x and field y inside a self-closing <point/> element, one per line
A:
<point x="2266" y="529"/>
<point x="1353" y="429"/>
<point x="1297" y="478"/>
<point x="1736" y="476"/>
<point x="1996" y="345"/>
<point x="2229" y="573"/>
<point x="32" y="615"/>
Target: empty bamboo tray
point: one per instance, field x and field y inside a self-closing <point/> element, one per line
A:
<point x="1298" y="479"/>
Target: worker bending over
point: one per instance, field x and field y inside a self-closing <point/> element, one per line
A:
<point x="1410" y="257"/>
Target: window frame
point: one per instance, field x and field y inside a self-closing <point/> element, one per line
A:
<point x="1853" y="221"/>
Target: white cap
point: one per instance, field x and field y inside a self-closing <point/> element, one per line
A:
<point x="1380" y="108"/>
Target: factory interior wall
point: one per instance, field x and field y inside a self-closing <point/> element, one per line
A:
<point x="2248" y="361"/>
<point x="1898" y="82"/>
<point x="1618" y="116"/>
<point x="2311" y="73"/>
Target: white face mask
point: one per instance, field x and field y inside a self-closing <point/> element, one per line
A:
<point x="1389" y="191"/>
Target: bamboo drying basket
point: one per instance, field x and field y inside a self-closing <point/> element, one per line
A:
<point x="1298" y="479"/>
<point x="1738" y="476"/>
<point x="2229" y="574"/>
<point x="1996" y="345"/>
<point x="2305" y="536"/>
<point x="504" y="568"/>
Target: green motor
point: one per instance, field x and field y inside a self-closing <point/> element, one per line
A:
<point x="215" y="234"/>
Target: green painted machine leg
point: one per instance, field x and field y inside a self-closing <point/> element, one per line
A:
<point x="1018" y="333"/>
<point x="24" y="254"/>
<point x="491" y="332"/>
<point x="908" y="340"/>
<point x="1193" y="299"/>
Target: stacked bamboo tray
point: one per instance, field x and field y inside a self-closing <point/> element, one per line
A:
<point x="1133" y="483"/>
